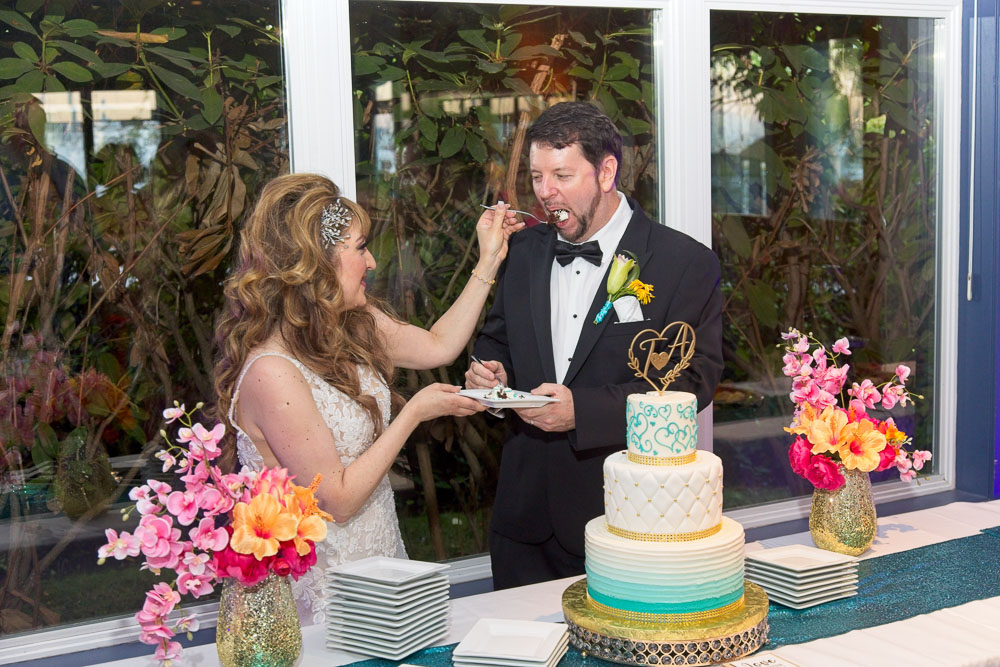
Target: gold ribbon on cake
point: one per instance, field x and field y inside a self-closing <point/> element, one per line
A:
<point x="682" y="343"/>
<point x="650" y="617"/>
<point x="664" y="537"/>
<point x="662" y="460"/>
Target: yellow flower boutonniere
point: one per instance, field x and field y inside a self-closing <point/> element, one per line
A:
<point x="623" y="280"/>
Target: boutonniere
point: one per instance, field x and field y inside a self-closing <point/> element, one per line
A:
<point x="624" y="281"/>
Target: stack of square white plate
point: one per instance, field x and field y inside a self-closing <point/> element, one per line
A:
<point x="386" y="607"/>
<point x="495" y="642"/>
<point x="798" y="576"/>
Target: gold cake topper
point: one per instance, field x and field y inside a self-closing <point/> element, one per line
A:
<point x="681" y="343"/>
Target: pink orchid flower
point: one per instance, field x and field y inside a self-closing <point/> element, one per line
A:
<point x="908" y="475"/>
<point x="196" y="585"/>
<point x="183" y="505"/>
<point x="919" y="458"/>
<point x="207" y="537"/>
<point x="171" y="414"/>
<point x="119" y="546"/>
<point x="902" y="372"/>
<point x="195" y="562"/>
<point x="168" y="459"/>
<point x="167" y="651"/>
<point x="842" y="346"/>
<point x="161" y="600"/>
<point x="801" y="345"/>
<point x="866" y="393"/>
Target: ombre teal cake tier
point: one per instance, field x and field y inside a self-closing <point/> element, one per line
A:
<point x="661" y="425"/>
<point x="687" y="579"/>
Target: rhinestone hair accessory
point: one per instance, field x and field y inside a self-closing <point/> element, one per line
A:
<point x="335" y="219"/>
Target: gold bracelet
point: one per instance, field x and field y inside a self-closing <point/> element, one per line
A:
<point x="475" y="274"/>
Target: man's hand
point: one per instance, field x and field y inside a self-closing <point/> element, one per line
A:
<point x="554" y="417"/>
<point x="485" y="375"/>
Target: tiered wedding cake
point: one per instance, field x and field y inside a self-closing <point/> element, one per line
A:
<point x="664" y="568"/>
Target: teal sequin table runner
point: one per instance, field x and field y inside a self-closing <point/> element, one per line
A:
<point x="890" y="588"/>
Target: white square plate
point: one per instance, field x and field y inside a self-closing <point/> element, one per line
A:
<point x="386" y="570"/>
<point x="388" y="649"/>
<point x="528" y="400"/>
<point x="350" y="593"/>
<point x="814" y="595"/>
<point x="503" y="662"/>
<point x="380" y="626"/>
<point x="390" y="589"/>
<point x="799" y="558"/>
<point x="426" y="601"/>
<point x="780" y="585"/>
<point x="346" y="634"/>
<point x="396" y="615"/>
<point x="527" y="641"/>
<point x="814" y="601"/>
<point x="802" y="577"/>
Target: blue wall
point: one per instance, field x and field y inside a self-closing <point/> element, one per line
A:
<point x="978" y="429"/>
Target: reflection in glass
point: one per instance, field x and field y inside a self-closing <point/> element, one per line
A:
<point x="460" y="83"/>
<point x="824" y="210"/>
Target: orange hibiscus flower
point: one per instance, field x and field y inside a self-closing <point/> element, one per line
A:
<point x="861" y="450"/>
<point x="260" y="526"/>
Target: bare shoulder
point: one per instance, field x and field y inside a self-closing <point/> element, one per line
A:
<point x="274" y="381"/>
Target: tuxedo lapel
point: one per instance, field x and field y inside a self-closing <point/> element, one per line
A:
<point x="540" y="302"/>
<point x="635" y="240"/>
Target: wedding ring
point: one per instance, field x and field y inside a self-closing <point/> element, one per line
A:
<point x="531" y="423"/>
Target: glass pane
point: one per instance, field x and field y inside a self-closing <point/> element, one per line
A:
<point x="824" y="214"/>
<point x="130" y="137"/>
<point x="443" y="95"/>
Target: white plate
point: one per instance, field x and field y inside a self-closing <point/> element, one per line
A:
<point x="814" y="601"/>
<point x="812" y="595"/>
<point x="388" y="650"/>
<point x="791" y="588"/>
<point x="428" y="601"/>
<point x="350" y="593"/>
<point x="526" y="641"/>
<point x="802" y="577"/>
<point x="391" y="589"/>
<point x="334" y="633"/>
<point x="799" y="558"/>
<point x="386" y="570"/>
<point x="356" y="625"/>
<point x="503" y="662"/>
<point x="528" y="401"/>
<point x="354" y="617"/>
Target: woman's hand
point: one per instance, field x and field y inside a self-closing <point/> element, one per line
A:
<point x="439" y="400"/>
<point x="493" y="231"/>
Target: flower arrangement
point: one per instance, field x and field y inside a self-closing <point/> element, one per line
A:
<point x="242" y="525"/>
<point x="623" y="280"/>
<point x="829" y="434"/>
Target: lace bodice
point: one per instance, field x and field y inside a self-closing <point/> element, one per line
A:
<point x="374" y="529"/>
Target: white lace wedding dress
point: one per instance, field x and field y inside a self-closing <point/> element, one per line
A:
<point x="374" y="530"/>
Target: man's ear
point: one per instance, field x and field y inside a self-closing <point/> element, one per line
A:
<point x="607" y="172"/>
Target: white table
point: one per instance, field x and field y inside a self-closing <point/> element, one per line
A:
<point x="965" y="635"/>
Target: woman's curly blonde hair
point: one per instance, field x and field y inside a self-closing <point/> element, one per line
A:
<point x="284" y="281"/>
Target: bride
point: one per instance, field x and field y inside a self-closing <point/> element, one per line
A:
<point x="306" y="359"/>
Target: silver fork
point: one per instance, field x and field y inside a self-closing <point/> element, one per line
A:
<point x="530" y="215"/>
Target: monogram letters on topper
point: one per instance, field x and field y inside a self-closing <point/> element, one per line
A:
<point x="677" y="338"/>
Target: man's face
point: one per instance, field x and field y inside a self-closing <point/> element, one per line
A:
<point x="563" y="179"/>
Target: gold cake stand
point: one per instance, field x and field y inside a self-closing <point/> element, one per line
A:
<point x="629" y="642"/>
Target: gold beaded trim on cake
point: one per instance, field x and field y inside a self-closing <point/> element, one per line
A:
<point x="664" y="537"/>
<point x="650" y="617"/>
<point x="662" y="460"/>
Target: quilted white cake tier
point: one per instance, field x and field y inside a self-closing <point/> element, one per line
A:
<point x="662" y="426"/>
<point x="641" y="500"/>
<point x="665" y="577"/>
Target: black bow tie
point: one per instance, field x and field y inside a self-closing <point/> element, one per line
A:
<point x="590" y="251"/>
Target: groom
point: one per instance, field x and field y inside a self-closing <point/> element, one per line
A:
<point x="540" y="336"/>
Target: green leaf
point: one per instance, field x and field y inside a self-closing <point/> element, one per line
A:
<point x="230" y="30"/>
<point x="736" y="235"/>
<point x="580" y="39"/>
<point x="528" y="52"/>
<point x="36" y="121"/>
<point x="518" y="86"/>
<point x="73" y="72"/>
<point x="392" y="73"/>
<point x="580" y="56"/>
<point x="172" y="33"/>
<point x="420" y="196"/>
<point x="81" y="52"/>
<point x="28" y="7"/>
<point x="79" y="28"/>
<point x="875" y="125"/>
<point x="25" y="52"/>
<point x="428" y="129"/>
<point x="108" y="70"/>
<point x="581" y="73"/>
<point x="365" y="64"/>
<point x="176" y="82"/>
<point x="46" y="446"/>
<point x="627" y="90"/>
<point x="490" y="67"/>
<point x="477" y="38"/>
<point x="31" y="82"/>
<point x="763" y="302"/>
<point x="211" y="105"/>
<point x="452" y="142"/>
<point x="477" y="149"/>
<point x="617" y="72"/>
<point x="637" y="126"/>
<point x="16" y="20"/>
<point x="11" y="68"/>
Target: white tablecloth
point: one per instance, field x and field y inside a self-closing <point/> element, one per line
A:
<point x="965" y="635"/>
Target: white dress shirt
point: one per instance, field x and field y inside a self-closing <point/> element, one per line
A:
<point x="573" y="287"/>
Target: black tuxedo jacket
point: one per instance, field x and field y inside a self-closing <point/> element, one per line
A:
<point x="552" y="483"/>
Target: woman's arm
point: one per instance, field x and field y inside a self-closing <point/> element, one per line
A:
<point x="413" y="347"/>
<point x="276" y="409"/>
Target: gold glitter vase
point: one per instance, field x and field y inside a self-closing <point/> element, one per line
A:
<point x="844" y="520"/>
<point x="258" y="625"/>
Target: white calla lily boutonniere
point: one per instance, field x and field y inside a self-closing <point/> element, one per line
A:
<point x="623" y="280"/>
